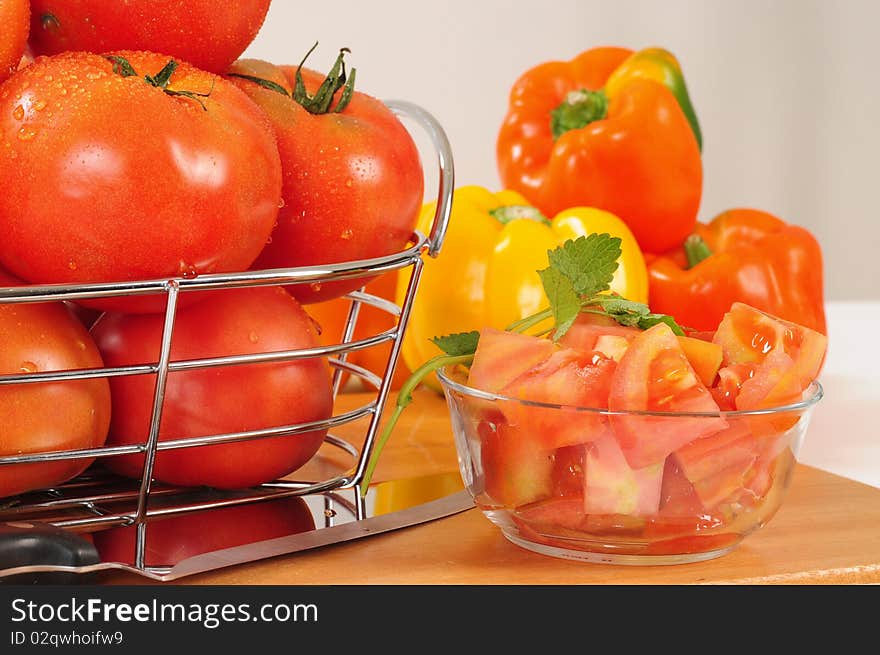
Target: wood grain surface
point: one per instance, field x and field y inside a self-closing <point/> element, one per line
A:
<point x="827" y="532"/>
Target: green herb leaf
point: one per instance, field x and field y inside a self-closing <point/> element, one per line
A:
<point x="565" y="304"/>
<point x="618" y="305"/>
<point x="460" y="343"/>
<point x="589" y="262"/>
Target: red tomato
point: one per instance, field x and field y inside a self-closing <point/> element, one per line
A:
<point x="49" y="415"/>
<point x="175" y="538"/>
<point x="219" y="400"/>
<point x="196" y="31"/>
<point x="14" y="16"/>
<point x="353" y="181"/>
<point x="109" y="178"/>
<point x="571" y="379"/>
<point x="655" y="375"/>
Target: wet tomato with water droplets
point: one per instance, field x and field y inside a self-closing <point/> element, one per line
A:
<point x="108" y="176"/>
<point x="353" y="181"/>
<point x="13" y="34"/>
<point x="47" y="416"/>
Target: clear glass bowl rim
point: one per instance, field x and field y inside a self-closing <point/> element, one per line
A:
<point x="814" y="395"/>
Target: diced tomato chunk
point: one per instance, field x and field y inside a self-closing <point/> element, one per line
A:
<point x="503" y="356"/>
<point x="655" y="375"/>
<point x="516" y="470"/>
<point x="704" y="356"/>
<point x="612" y="487"/>
<point x="572" y="379"/>
<point x="587" y="328"/>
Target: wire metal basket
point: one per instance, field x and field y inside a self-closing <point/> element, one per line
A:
<point x="95" y="500"/>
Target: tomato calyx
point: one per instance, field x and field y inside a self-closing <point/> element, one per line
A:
<point x="121" y="66"/>
<point x="263" y="82"/>
<point x="696" y="250"/>
<point x="579" y="109"/>
<point x="336" y="79"/>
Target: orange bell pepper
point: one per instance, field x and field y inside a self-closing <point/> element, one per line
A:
<point x="609" y="129"/>
<point x="743" y="255"/>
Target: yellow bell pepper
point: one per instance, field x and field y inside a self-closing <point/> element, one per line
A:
<point x="486" y="275"/>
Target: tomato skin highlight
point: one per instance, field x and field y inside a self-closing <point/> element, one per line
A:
<point x="195" y="31"/>
<point x="353" y="181"/>
<point x="108" y="178"/>
<point x="14" y="19"/>
<point x="46" y="337"/>
<point x="219" y="400"/>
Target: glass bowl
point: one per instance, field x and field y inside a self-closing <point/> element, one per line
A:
<point x="557" y="479"/>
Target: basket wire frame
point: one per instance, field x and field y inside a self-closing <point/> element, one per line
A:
<point x="83" y="493"/>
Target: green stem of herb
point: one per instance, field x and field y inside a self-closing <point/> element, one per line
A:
<point x="404" y="398"/>
<point x="524" y="324"/>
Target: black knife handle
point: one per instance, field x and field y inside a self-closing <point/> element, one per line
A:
<point x="28" y="543"/>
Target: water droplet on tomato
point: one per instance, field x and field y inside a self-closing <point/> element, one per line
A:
<point x="81" y="345"/>
<point x="348" y="182"/>
<point x="281" y="203"/>
<point x="28" y="367"/>
<point x="346" y="234"/>
<point x="39" y="105"/>
<point x="187" y="271"/>
<point x="268" y="239"/>
<point x="253" y="337"/>
<point x="315" y="286"/>
<point x="71" y="265"/>
<point x="18" y="112"/>
<point x="26" y="133"/>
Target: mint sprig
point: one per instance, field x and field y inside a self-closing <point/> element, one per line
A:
<point x="575" y="282"/>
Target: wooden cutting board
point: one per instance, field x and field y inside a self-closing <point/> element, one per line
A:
<point x="827" y="532"/>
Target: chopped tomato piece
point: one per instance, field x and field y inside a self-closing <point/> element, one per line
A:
<point x="587" y="328"/>
<point x="612" y="487"/>
<point x="655" y="375"/>
<point x="503" y="356"/>
<point x="516" y="471"/>
<point x="704" y="356"/>
<point x="569" y="378"/>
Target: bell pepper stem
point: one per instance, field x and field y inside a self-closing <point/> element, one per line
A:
<point x="579" y="109"/>
<point x="404" y="398"/>
<point x="696" y="250"/>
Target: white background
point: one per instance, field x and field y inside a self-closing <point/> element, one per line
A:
<point x="788" y="97"/>
<point x="786" y="91"/>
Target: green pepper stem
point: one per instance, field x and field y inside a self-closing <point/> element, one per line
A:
<point x="579" y="109"/>
<point x="696" y="250"/>
<point x="404" y="398"/>
<point x="506" y="213"/>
